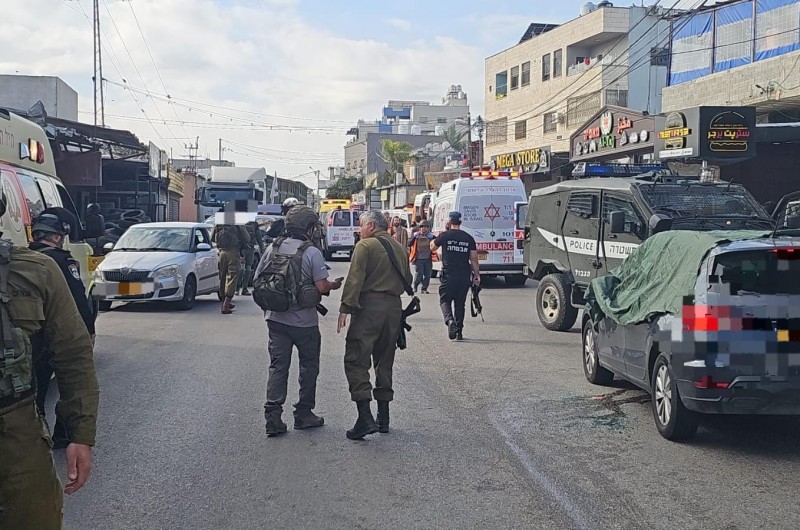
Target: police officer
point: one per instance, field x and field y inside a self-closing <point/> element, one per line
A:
<point x="230" y="239"/>
<point x="459" y="261"/>
<point x="371" y="295"/>
<point x="35" y="301"/>
<point x="50" y="231"/>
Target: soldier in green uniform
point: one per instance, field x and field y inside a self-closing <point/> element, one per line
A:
<point x="372" y="296"/>
<point x="36" y="305"/>
<point x="230" y="239"/>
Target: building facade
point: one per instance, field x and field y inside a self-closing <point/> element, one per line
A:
<point x="23" y="91"/>
<point x="542" y="90"/>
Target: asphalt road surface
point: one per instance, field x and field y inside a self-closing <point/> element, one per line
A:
<point x="498" y="431"/>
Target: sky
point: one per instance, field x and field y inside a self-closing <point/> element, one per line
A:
<point x="279" y="81"/>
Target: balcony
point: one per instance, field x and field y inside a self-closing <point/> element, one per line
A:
<point x="588" y="62"/>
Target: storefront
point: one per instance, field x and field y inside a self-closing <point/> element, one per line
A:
<point x="533" y="165"/>
<point x="614" y="134"/>
<point x="716" y="135"/>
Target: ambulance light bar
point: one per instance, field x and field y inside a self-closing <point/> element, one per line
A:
<point x="489" y="174"/>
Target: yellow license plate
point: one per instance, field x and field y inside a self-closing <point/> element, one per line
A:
<point x="126" y="288"/>
<point x="483" y="256"/>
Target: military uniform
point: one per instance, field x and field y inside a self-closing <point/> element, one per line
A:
<point x="372" y="296"/>
<point x="40" y="304"/>
<point x="249" y="252"/>
<point x="229" y="259"/>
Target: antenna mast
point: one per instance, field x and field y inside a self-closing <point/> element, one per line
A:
<point x="97" y="78"/>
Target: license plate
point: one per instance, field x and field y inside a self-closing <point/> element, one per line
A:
<point x="483" y="256"/>
<point x="127" y="288"/>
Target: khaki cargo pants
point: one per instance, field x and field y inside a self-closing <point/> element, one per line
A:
<point x="372" y="339"/>
<point x="228" y="271"/>
<point x="31" y="495"/>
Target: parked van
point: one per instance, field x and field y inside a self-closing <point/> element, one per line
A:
<point x="29" y="183"/>
<point x="340" y="227"/>
<point x="486" y="201"/>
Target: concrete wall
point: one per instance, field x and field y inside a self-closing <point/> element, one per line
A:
<point x="22" y="92"/>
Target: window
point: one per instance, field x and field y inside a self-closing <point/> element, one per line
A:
<point x="757" y="271"/>
<point x="546" y="67"/>
<point x="501" y="85"/>
<point x="361" y="164"/>
<point x="341" y="218"/>
<point x="659" y="56"/>
<point x="583" y="205"/>
<point x="423" y="119"/>
<point x="33" y="197"/>
<point x="356" y="219"/>
<point x="441" y="120"/>
<point x="520" y="130"/>
<point x="633" y="223"/>
<point x="617" y="97"/>
<point x="497" y="131"/>
<point x="550" y="122"/>
<point x="49" y="193"/>
<point x="558" y="60"/>
<point x="581" y="108"/>
<point x="348" y="166"/>
<point x="515" y="78"/>
<point x="526" y="73"/>
<point x="200" y="236"/>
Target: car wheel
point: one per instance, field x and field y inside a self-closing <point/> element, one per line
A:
<point x="673" y="420"/>
<point x="552" y="303"/>
<point x="189" y="293"/>
<point x="104" y="305"/>
<point x="595" y="374"/>
<point x="515" y="280"/>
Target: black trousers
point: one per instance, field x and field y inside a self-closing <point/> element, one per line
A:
<point x="282" y="340"/>
<point x="453" y="289"/>
<point x="43" y="370"/>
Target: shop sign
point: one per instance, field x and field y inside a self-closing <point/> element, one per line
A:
<point x="529" y="161"/>
<point x="613" y="130"/>
<point x="707" y="133"/>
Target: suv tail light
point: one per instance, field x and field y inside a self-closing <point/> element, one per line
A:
<point x="786" y="253"/>
<point x="707" y="383"/>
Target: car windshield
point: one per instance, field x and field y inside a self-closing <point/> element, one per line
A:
<point x="155" y="239"/>
<point x="691" y="201"/>
<point x="221" y="195"/>
<point x="759" y="272"/>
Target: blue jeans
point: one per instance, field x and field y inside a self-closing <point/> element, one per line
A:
<point x="424" y="267"/>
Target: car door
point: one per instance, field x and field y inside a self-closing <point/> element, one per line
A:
<point x="520" y="217"/>
<point x="617" y="247"/>
<point x="637" y="341"/>
<point x="580" y="232"/>
<point x="205" y="263"/>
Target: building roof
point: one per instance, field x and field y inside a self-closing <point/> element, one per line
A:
<point x="535" y="29"/>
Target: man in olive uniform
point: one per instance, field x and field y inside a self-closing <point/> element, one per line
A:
<point x="50" y="231"/>
<point x="249" y="252"/>
<point x="230" y="239"/>
<point x="371" y="295"/>
<point x="38" y="304"/>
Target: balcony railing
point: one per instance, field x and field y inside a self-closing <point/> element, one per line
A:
<point x="587" y="63"/>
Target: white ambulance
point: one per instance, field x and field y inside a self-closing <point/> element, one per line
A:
<point x="486" y="200"/>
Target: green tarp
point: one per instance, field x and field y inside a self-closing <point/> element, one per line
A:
<point x="657" y="276"/>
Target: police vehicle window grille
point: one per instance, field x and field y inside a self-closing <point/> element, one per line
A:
<point x="583" y="205"/>
<point x="633" y="223"/>
<point x="696" y="200"/>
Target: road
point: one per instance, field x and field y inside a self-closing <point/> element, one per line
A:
<point x="501" y="430"/>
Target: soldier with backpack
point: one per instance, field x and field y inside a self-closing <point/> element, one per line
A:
<point x="230" y="239"/>
<point x="290" y="281"/>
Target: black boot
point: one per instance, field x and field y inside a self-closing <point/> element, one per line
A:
<point x="383" y="416"/>
<point x="365" y="424"/>
<point x="275" y="424"/>
<point x="305" y="419"/>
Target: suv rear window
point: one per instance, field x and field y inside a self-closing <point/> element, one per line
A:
<point x="759" y="272"/>
<point x="689" y="200"/>
<point x="341" y="218"/>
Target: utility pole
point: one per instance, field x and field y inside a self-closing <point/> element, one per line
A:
<point x="97" y="78"/>
<point x="480" y="124"/>
<point x="316" y="200"/>
<point x="193" y="149"/>
<point x="220" y="149"/>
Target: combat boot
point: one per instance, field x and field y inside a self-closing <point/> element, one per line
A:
<point x="383" y="416"/>
<point x="245" y="292"/>
<point x="305" y="419"/>
<point x="365" y="424"/>
<point x="227" y="306"/>
<point x="275" y="424"/>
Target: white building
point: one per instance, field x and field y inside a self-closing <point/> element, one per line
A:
<point x="541" y="90"/>
<point x="21" y="92"/>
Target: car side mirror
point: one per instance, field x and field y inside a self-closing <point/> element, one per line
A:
<point x="203" y="247"/>
<point x="617" y="221"/>
<point x="793" y="222"/>
<point x="108" y="247"/>
<point x="660" y="223"/>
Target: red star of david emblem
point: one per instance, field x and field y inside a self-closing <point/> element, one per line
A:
<point x="492" y="212"/>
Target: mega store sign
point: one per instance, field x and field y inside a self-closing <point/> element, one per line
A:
<point x="612" y="131"/>
<point x="707" y="133"/>
<point x="527" y="161"/>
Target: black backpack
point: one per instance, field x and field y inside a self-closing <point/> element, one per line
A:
<point x="278" y="286"/>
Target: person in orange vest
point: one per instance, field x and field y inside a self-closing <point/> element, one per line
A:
<point x="422" y="256"/>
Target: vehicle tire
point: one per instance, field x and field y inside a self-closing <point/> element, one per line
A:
<point x="595" y="374"/>
<point x="189" y="294"/>
<point x="104" y="305"/>
<point x="674" y="421"/>
<point x="552" y="303"/>
<point x="515" y="280"/>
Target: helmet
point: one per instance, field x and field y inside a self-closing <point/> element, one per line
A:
<point x="51" y="223"/>
<point x="301" y="218"/>
<point x="291" y="201"/>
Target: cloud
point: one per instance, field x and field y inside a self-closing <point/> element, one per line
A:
<point x="400" y="23"/>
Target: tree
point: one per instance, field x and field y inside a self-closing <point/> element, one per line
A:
<point x="455" y="138"/>
<point x="394" y="154"/>
<point x="344" y="188"/>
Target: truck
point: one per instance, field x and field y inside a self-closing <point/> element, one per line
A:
<point x="225" y="184"/>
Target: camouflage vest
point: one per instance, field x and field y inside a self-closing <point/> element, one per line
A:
<point x="16" y="357"/>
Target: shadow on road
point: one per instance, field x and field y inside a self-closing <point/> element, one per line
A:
<point x="765" y="435"/>
<point x="165" y="307"/>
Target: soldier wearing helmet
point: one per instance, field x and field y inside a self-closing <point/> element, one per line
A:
<point x="276" y="230"/>
<point x="50" y="231"/>
<point x="297" y="327"/>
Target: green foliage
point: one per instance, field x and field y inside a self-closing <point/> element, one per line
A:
<point x="455" y="138"/>
<point x="344" y="188"/>
<point x="395" y="154"/>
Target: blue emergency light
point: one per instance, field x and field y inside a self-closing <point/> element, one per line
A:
<point x="599" y="169"/>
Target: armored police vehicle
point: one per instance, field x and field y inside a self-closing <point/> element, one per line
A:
<point x="582" y="228"/>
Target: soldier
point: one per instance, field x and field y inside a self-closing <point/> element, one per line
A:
<point x="459" y="261"/>
<point x="372" y="295"/>
<point x="249" y="252"/>
<point x="297" y="327"/>
<point x="230" y="240"/>
<point x="276" y="230"/>
<point x="50" y="231"/>
<point x="36" y="305"/>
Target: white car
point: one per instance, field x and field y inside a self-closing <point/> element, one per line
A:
<point x="169" y="262"/>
